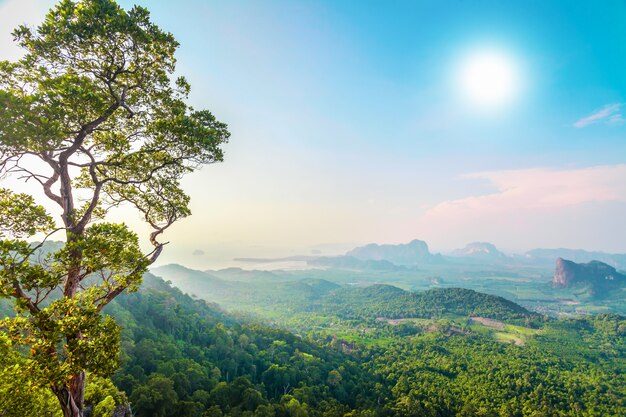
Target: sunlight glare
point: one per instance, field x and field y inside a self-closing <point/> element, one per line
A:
<point x="488" y="79"/>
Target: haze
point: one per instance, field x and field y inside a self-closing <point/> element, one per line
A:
<point x="349" y="126"/>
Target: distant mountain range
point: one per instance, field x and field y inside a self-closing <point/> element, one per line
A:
<point x="413" y="253"/>
<point x="404" y="256"/>
<point x="355" y="264"/>
<point x="416" y="254"/>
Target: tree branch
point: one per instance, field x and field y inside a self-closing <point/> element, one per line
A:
<point x="82" y="223"/>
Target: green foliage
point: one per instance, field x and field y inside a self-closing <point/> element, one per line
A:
<point x="19" y="396"/>
<point x="93" y="115"/>
<point x="184" y="357"/>
<point x="439" y="375"/>
<point x="54" y="357"/>
<point x="101" y="393"/>
<point x="392" y="302"/>
<point x="104" y="408"/>
<point x="20" y="216"/>
<point x="182" y="354"/>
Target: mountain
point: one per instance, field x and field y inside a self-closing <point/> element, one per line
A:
<point x="296" y="258"/>
<point x="480" y="251"/>
<point x="394" y="303"/>
<point x="236" y="288"/>
<point x="354" y="264"/>
<point x="245" y="275"/>
<point x="408" y="254"/>
<point x="193" y="282"/>
<point x="317" y="287"/>
<point x="597" y="276"/>
<point x="616" y="260"/>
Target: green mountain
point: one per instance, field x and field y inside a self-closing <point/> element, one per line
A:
<point x="395" y="303"/>
<point x="183" y="357"/>
<point x="190" y="280"/>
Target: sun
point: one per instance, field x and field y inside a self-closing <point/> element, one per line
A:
<point x="488" y="79"/>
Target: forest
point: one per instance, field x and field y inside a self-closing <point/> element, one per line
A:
<point x="183" y="357"/>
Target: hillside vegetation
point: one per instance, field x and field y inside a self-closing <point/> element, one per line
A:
<point x="392" y="302"/>
<point x="184" y="357"/>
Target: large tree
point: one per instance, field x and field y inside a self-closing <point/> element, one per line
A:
<point x="94" y="118"/>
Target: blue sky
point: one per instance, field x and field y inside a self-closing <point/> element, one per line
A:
<point x="348" y="126"/>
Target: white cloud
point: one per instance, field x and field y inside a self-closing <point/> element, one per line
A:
<point x="541" y="188"/>
<point x="611" y="114"/>
<point x="535" y="207"/>
<point x="616" y="119"/>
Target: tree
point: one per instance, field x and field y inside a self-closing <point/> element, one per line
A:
<point x="157" y="398"/>
<point x="16" y="397"/>
<point x="93" y="117"/>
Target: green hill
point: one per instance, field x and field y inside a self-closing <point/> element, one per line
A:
<point x="183" y="357"/>
<point x="395" y="303"/>
<point x="238" y="289"/>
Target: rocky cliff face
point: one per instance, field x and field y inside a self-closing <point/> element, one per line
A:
<point x="564" y="274"/>
<point x="599" y="276"/>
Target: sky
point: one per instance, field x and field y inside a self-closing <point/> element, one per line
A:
<point x="354" y="122"/>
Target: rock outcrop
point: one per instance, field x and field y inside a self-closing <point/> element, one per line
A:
<point x="412" y="253"/>
<point x="564" y="273"/>
<point x="354" y="264"/>
<point x="480" y="250"/>
<point x="598" y="276"/>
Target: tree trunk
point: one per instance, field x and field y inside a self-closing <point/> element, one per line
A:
<point x="71" y="396"/>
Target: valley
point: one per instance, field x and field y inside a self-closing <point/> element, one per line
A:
<point x="372" y="350"/>
<point x="432" y="342"/>
<point x="365" y="338"/>
<point x="477" y="333"/>
<point x="524" y="279"/>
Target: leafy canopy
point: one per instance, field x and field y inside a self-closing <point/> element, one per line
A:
<point x="93" y="116"/>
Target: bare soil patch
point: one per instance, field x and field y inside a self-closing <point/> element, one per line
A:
<point x="494" y="324"/>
